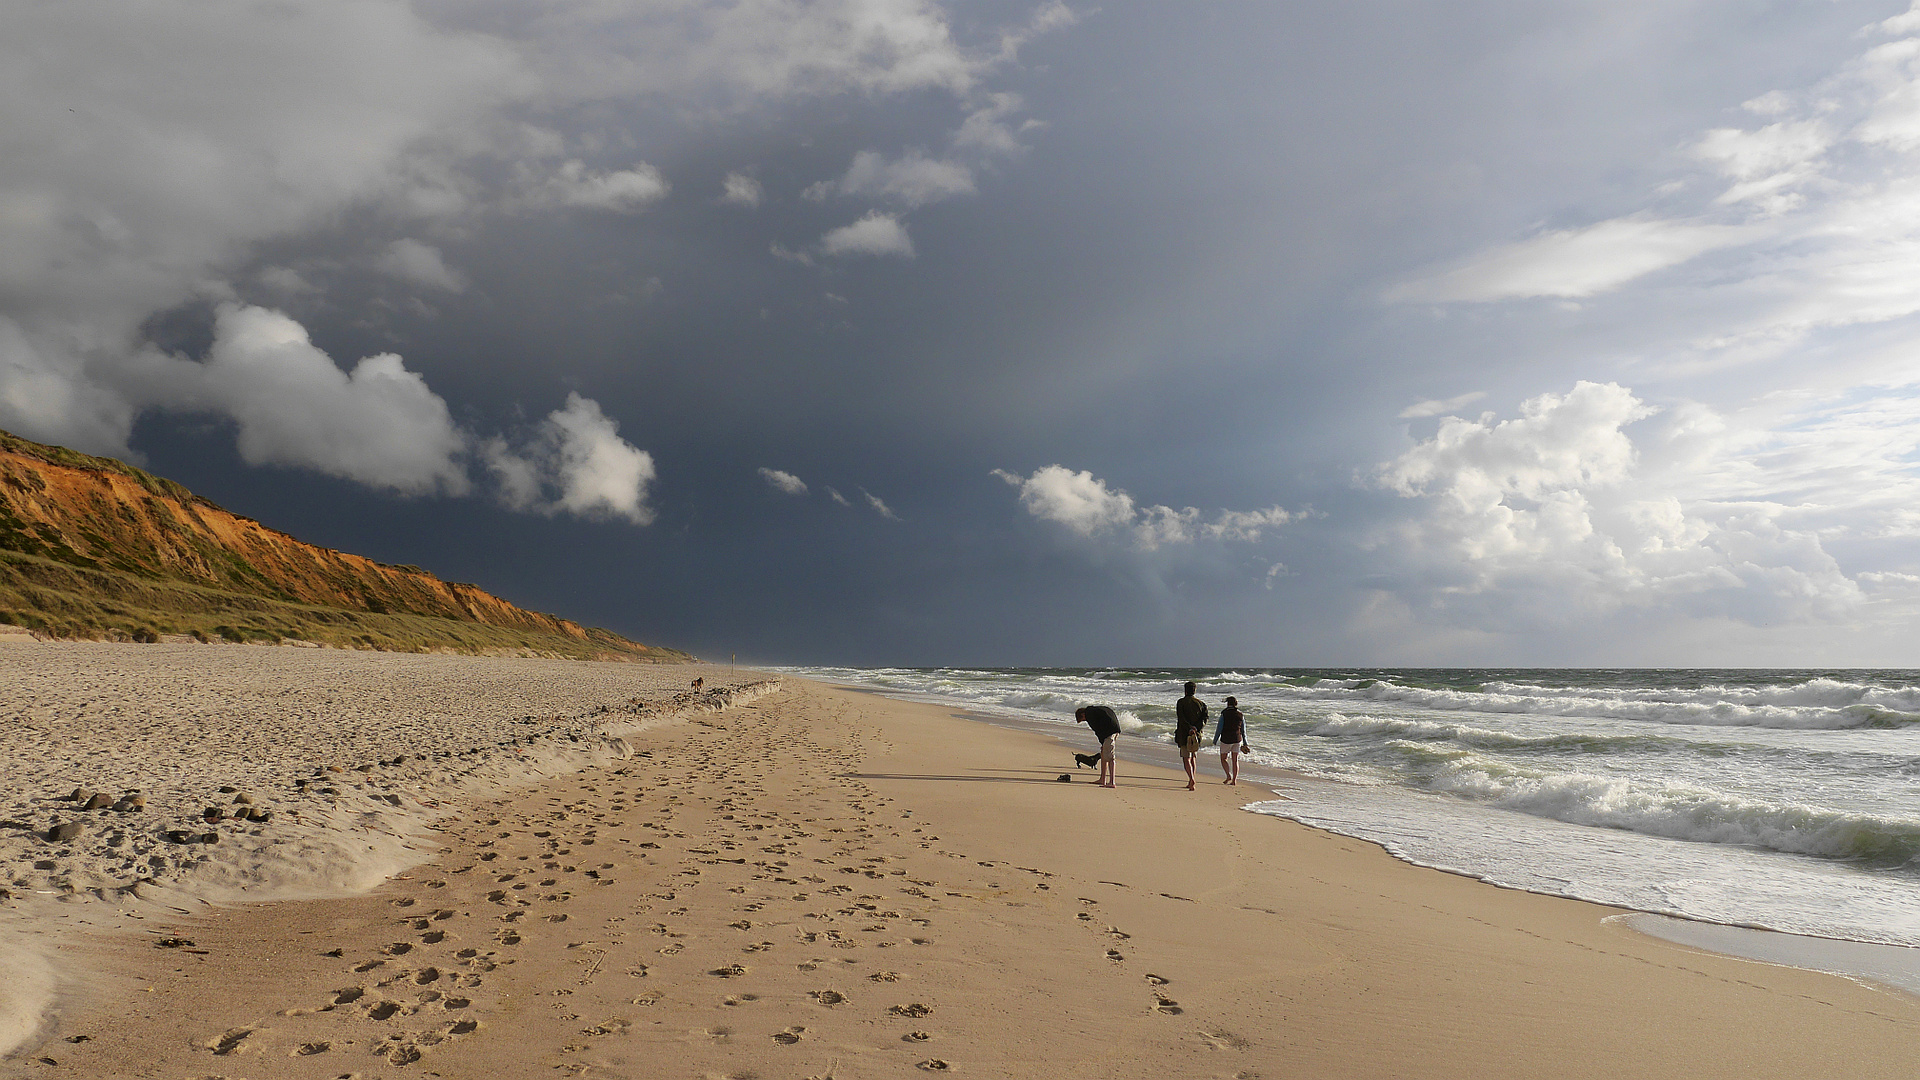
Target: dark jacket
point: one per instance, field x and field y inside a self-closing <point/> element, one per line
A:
<point x="1190" y="718"/>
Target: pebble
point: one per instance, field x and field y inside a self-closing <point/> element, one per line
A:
<point x="243" y="799"/>
<point x="214" y="815"/>
<point x="99" y="801"/>
<point x="65" y="831"/>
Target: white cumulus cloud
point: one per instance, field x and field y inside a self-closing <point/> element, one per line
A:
<point x="616" y="191"/>
<point x="1085" y="505"/>
<point x="378" y="424"/>
<point x="913" y="178"/>
<point x="874" y="234"/>
<point x="782" y="481"/>
<point x="1594" y="501"/>
<point x="576" y="463"/>
<point x="879" y="506"/>
<point x="741" y="190"/>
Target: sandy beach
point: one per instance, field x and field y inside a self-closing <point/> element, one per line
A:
<point x="811" y="882"/>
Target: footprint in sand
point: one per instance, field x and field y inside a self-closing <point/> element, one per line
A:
<point x="915" y="1037"/>
<point x="933" y="1065"/>
<point x="312" y="1048"/>
<point x="1158" y="980"/>
<point x="1168" y="1006"/>
<point x="828" y="997"/>
<point x="1114" y="955"/>
<point x="229" y="1042"/>
<point x="789" y="1037"/>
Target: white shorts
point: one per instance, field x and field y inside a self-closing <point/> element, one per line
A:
<point x="1230" y="750"/>
<point x="1106" y="747"/>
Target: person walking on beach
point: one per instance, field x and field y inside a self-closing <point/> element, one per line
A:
<point x="1190" y="722"/>
<point x="1106" y="728"/>
<point x="1232" y="737"/>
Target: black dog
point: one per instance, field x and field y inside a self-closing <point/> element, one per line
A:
<point x="1089" y="761"/>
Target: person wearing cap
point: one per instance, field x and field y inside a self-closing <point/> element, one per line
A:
<point x="1231" y="735"/>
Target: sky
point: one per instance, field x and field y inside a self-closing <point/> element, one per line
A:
<point x="898" y="332"/>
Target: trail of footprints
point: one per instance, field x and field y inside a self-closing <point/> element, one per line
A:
<point x="817" y="939"/>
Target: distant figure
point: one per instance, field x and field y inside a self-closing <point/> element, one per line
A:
<point x="699" y="682"/>
<point x="1232" y="737"/>
<point x="1190" y="722"/>
<point x="1106" y="728"/>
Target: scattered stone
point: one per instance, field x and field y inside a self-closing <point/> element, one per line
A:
<point x="173" y="943"/>
<point x="1065" y="778"/>
<point x="64" y="832"/>
<point x="45" y="864"/>
<point x="99" y="801"/>
<point x="210" y="838"/>
<point x="228" y="790"/>
<point x="130" y="804"/>
<point x="214" y="815"/>
<point x="78" y="795"/>
<point x="243" y="799"/>
<point x="179" y="836"/>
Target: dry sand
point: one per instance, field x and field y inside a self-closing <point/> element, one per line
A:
<point x="827" y="883"/>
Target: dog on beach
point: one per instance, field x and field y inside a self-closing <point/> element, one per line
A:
<point x="1086" y="761"/>
<point x="699" y="682"/>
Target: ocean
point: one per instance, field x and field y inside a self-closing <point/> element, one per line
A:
<point x="1784" y="800"/>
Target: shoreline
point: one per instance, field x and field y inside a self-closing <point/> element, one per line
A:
<point x="1892" y="967"/>
<point x="826" y="883"/>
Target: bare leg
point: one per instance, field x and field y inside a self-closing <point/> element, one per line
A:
<point x="1106" y="765"/>
<point x="1188" y="761"/>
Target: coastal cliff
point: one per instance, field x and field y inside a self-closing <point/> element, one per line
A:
<point x="92" y="547"/>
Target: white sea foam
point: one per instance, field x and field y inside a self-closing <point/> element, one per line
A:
<point x="1772" y="798"/>
<point x="1819" y="703"/>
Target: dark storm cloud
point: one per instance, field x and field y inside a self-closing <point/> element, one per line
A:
<point x="1145" y="333"/>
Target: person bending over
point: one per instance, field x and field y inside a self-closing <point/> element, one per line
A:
<point x="1232" y="737"/>
<point x="1106" y="728"/>
<point x="1190" y="721"/>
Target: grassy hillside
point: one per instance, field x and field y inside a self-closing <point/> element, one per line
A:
<point x="92" y="547"/>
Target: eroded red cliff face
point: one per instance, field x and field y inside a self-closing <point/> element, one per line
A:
<point x="101" y="514"/>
